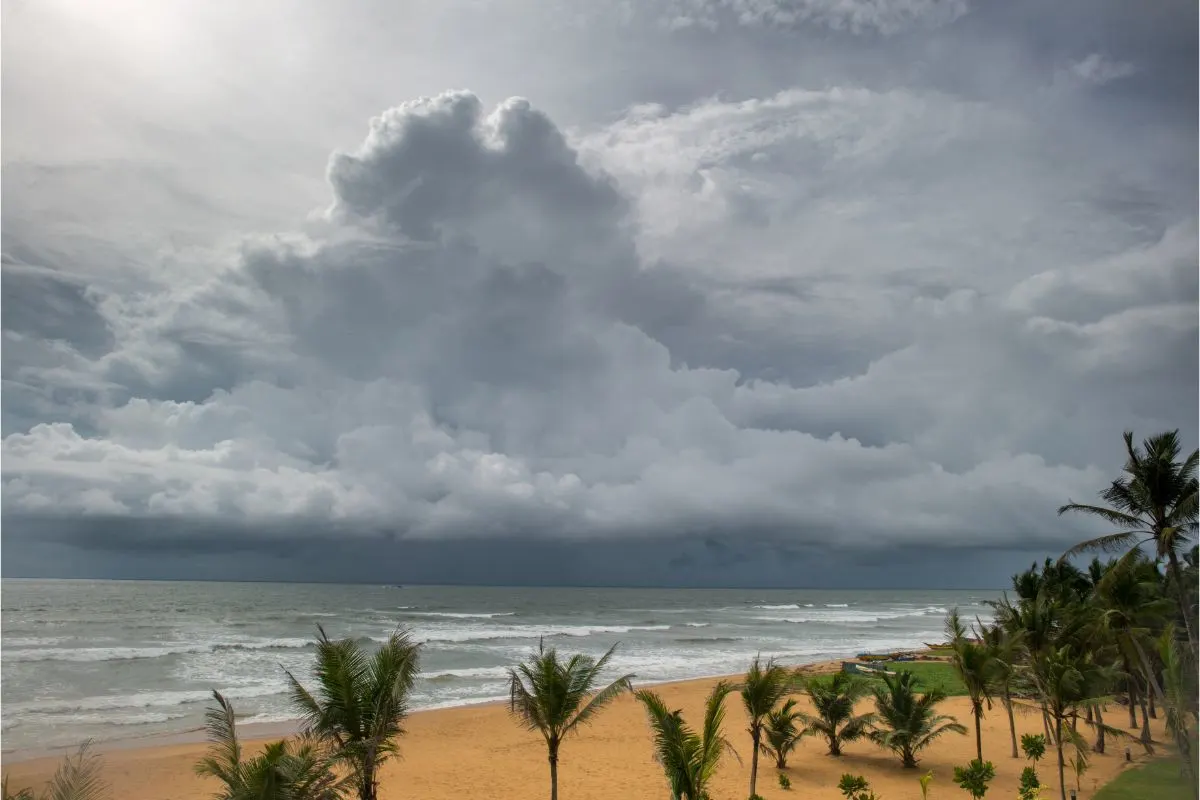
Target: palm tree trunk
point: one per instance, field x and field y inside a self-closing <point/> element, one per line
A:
<point x="1099" y="746"/>
<point x="554" y="771"/>
<point x="1184" y="612"/>
<point x="1131" y="686"/>
<point x="1146" y="739"/>
<point x="1062" y="774"/>
<point x="978" y="735"/>
<point x="754" y="737"/>
<point x="366" y="790"/>
<point x="1151" y="699"/>
<point x="1012" y="723"/>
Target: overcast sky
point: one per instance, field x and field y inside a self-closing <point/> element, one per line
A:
<point x="810" y="292"/>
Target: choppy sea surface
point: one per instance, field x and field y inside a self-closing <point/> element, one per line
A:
<point x="126" y="659"/>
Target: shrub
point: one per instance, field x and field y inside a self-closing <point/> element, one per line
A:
<point x="1033" y="745"/>
<point x="855" y="787"/>
<point x="975" y="777"/>
<point x="1030" y="787"/>
<point x="925" y="780"/>
<point x="784" y="781"/>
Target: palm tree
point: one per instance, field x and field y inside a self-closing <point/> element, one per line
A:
<point x="907" y="723"/>
<point x="360" y="704"/>
<point x="1005" y="647"/>
<point x="834" y="702"/>
<point x="280" y="772"/>
<point x="1178" y="711"/>
<point x="1130" y="608"/>
<point x="1067" y="678"/>
<point x="1153" y="502"/>
<point x="689" y="759"/>
<point x="972" y="661"/>
<point x="548" y="696"/>
<point x="782" y="734"/>
<point x="762" y="689"/>
<point x="76" y="778"/>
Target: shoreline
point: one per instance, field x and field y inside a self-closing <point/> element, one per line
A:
<point x="479" y="750"/>
<point x="259" y="733"/>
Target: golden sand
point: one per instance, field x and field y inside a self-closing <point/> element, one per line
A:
<point x="480" y="752"/>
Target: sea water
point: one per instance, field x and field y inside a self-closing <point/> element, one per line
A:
<point x="128" y="659"/>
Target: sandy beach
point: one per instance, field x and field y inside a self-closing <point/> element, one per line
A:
<point x="479" y="751"/>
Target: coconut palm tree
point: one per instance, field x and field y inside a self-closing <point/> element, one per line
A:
<point x="1067" y="678"/>
<point x="1154" y="502"/>
<point x="1178" y="711"/>
<point x="833" y="700"/>
<point x="555" y="697"/>
<point x="1130" y="609"/>
<point x="763" y="688"/>
<point x="1005" y="647"/>
<point x="360" y="703"/>
<point x="906" y="723"/>
<point x="972" y="661"/>
<point x="283" y="771"/>
<point x="781" y="734"/>
<point x="689" y="759"/>
<point x="76" y="778"/>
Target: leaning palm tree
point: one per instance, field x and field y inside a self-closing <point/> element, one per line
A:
<point x="283" y="771"/>
<point x="689" y="759"/>
<point x="360" y="703"/>
<point x="1005" y="646"/>
<point x="835" y="721"/>
<point x="781" y="734"/>
<point x="762" y="689"/>
<point x="1065" y="679"/>
<point x="1154" y="502"/>
<point x="907" y="723"/>
<point x="1180" y="717"/>
<point x="551" y="696"/>
<point x="972" y="662"/>
<point x="76" y="778"/>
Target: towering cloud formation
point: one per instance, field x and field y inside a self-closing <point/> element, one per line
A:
<point x="849" y="318"/>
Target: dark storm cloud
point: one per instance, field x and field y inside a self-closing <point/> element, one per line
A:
<point x="753" y="328"/>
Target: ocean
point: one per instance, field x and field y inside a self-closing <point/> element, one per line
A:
<point x="129" y="659"/>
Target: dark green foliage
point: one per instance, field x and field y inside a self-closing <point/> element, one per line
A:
<point x="906" y="722"/>
<point x="975" y="777"/>
<point x="360" y="702"/>
<point x="781" y="733"/>
<point x="785" y="782"/>
<point x="763" y="688"/>
<point x="1030" y="784"/>
<point x="1033" y="745"/>
<point x="835" y="721"/>
<point x="855" y="787"/>
<point x="688" y="758"/>
<point x="551" y="696"/>
<point x="283" y="771"/>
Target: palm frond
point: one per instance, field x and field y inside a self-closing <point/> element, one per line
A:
<point x="78" y="777"/>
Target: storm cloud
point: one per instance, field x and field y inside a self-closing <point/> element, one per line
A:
<point x="849" y="321"/>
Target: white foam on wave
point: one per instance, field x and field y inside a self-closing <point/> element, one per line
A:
<point x="96" y="654"/>
<point x="499" y="673"/>
<point x="837" y="605"/>
<point x="459" y="635"/>
<point x="144" y="699"/>
<point x="462" y="614"/>
<point x="696" y="624"/>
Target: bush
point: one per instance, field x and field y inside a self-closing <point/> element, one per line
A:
<point x="975" y="777"/>
<point x="1034" y="746"/>
<point x="784" y="781"/>
<point x="855" y="787"/>
<point x="1030" y="787"/>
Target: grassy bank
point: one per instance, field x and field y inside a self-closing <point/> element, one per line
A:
<point x="1159" y="779"/>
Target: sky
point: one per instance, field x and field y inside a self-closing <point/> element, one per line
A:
<point x="667" y="292"/>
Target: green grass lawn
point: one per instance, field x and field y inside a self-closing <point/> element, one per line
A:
<point x="929" y="675"/>
<point x="1157" y="780"/>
